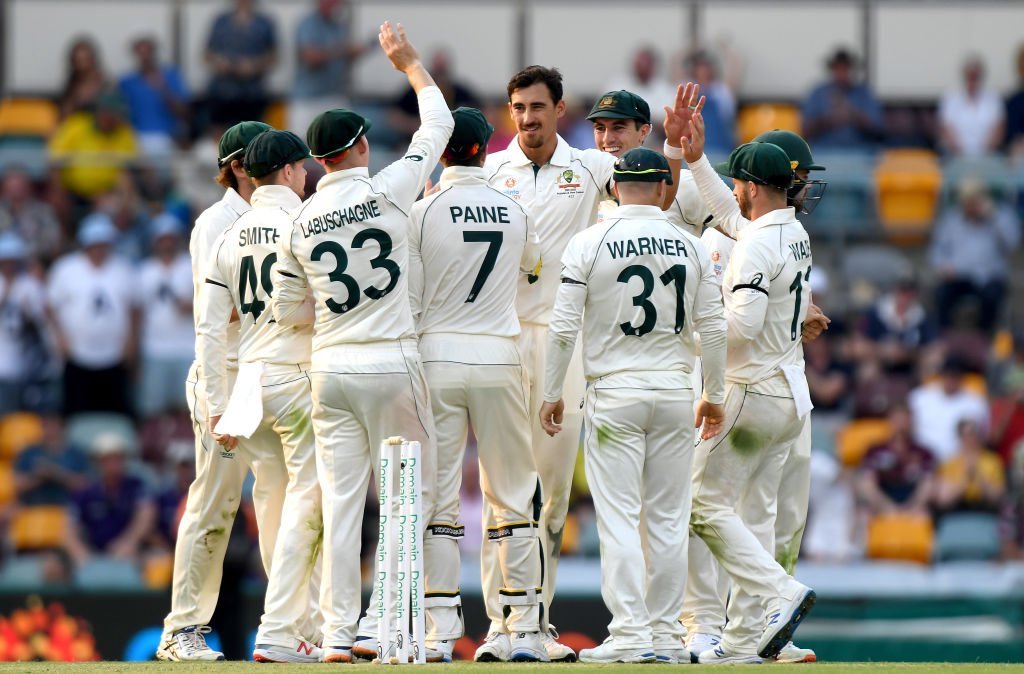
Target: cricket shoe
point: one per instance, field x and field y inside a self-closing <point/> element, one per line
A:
<point x="783" y="620"/>
<point x="440" y="651"/>
<point x="557" y="652"/>
<point x="365" y="648"/>
<point x="609" y="652"/>
<point x="700" y="642"/>
<point x="497" y="647"/>
<point x="791" y="653"/>
<point x="188" y="644"/>
<point x="303" y="652"/>
<point x="720" y="656"/>
<point x="528" y="647"/>
<point x="673" y="655"/>
<point x="337" y="654"/>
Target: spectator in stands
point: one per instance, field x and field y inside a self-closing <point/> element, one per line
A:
<point x="22" y="322"/>
<point x="827" y="378"/>
<point x="1015" y="112"/>
<point x="30" y="218"/>
<point x="168" y="340"/>
<point x="719" y="103"/>
<point x="970" y="252"/>
<point x="971" y="118"/>
<point x="91" y="149"/>
<point x="939" y="406"/>
<point x="405" y="118"/>
<point x="842" y="113"/>
<point x="1007" y="376"/>
<point x="91" y="296"/>
<point x="115" y="513"/>
<point x="899" y="326"/>
<point x="157" y="100"/>
<point x="646" y="81"/>
<point x="50" y="472"/>
<point x="897" y="475"/>
<point x="972" y="479"/>
<point x="85" y="81"/>
<point x="181" y="470"/>
<point x="323" y="73"/>
<point x="241" y="50"/>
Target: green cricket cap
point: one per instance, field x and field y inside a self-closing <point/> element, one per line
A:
<point x="335" y="131"/>
<point x="642" y="165"/>
<point x="272" y="150"/>
<point x="763" y="163"/>
<point x="794" y="146"/>
<point x="233" y="142"/>
<point x="471" y="129"/>
<point x="621" y="105"/>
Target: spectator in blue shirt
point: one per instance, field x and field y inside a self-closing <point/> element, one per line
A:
<point x="241" y="50"/>
<point x="50" y="472"/>
<point x="157" y="100"/>
<point x="842" y="113"/>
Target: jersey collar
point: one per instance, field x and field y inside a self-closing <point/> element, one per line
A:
<point x="637" y="211"/>
<point x="338" y="176"/>
<point x="463" y="175"/>
<point x="779" y="216"/>
<point x="561" y="157"/>
<point x="234" y="201"/>
<point x="274" y="196"/>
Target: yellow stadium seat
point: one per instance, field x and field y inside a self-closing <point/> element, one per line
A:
<point x="39" y="527"/>
<point x="6" y="483"/>
<point x="857" y="437"/>
<point x="28" y="117"/>
<point x="157" y="572"/>
<point x="908" y="182"/>
<point x="18" y="430"/>
<point x="276" y="115"/>
<point x="760" y="117"/>
<point x="901" y="536"/>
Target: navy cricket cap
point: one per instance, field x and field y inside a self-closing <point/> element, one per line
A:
<point x="335" y="131"/>
<point x="234" y="141"/>
<point x="642" y="165"/>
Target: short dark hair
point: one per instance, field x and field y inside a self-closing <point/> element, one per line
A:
<point x="530" y="75"/>
<point x="473" y="160"/>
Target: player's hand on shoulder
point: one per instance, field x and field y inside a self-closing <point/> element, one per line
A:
<point x="396" y="45"/>
<point x="709" y="419"/>
<point x="551" y="416"/>
<point x="815" y="323"/>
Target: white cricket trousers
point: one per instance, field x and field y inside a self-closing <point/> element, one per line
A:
<point x="291" y="606"/>
<point x="707" y="588"/>
<point x="638" y="450"/>
<point x="480" y="379"/>
<point x="363" y="394"/>
<point x="555" y="459"/>
<point x="213" y="500"/>
<point x="744" y="465"/>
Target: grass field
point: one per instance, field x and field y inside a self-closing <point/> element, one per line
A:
<point x="467" y="667"/>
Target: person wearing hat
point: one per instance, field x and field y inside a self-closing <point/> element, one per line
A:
<point x="349" y="247"/>
<point x="640" y="288"/>
<point x="23" y="310"/>
<point x="766" y="293"/>
<point x="219" y="474"/>
<point x="272" y="388"/>
<point x="468" y="245"/>
<point x="622" y="121"/>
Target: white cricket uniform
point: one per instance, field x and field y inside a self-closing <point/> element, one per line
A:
<point x="561" y="199"/>
<point x="468" y="245"/>
<point x="216" y="491"/>
<point x="640" y="286"/>
<point x="239" y="279"/>
<point x="707" y="589"/>
<point x="688" y="210"/>
<point x="766" y="294"/>
<point x="349" y="244"/>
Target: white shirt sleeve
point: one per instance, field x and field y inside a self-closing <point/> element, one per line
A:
<point x="748" y="305"/>
<point x="718" y="198"/>
<point x="211" y="337"/>
<point x="403" y="180"/>
<point x="291" y="287"/>
<point x="416" y="261"/>
<point x="709" y="321"/>
<point x="566" y="319"/>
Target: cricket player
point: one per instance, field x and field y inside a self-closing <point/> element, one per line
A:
<point x="214" y="495"/>
<point x="560" y="187"/>
<point x="270" y="403"/>
<point x="622" y="121"/>
<point x="706" y="589"/>
<point x="468" y="244"/>
<point x="766" y="295"/>
<point x="349" y="245"/>
<point x="640" y="287"/>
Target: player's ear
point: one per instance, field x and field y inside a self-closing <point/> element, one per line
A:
<point x="615" y="191"/>
<point x="560" y="108"/>
<point x="645" y="131"/>
<point x="659" y="192"/>
<point x="239" y="170"/>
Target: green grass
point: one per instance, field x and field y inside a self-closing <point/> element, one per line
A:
<point x="250" y="667"/>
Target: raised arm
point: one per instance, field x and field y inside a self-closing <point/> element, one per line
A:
<point x="718" y="198"/>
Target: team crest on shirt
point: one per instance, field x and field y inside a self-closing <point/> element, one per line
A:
<point x="510" y="189"/>
<point x="716" y="256"/>
<point x="510" y="182"/>
<point x="570" y="182"/>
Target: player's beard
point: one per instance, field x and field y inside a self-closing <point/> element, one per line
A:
<point x="743" y="200"/>
<point x="532" y="137"/>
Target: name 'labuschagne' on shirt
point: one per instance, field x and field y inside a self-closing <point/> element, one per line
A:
<point x="801" y="249"/>
<point x="480" y="214"/>
<point x="257" y="236"/>
<point x="340" y="217"/>
<point x="647" y="245"/>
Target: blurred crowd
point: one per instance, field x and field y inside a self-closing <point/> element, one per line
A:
<point x="918" y="384"/>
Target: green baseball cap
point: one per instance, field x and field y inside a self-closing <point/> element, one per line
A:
<point x="643" y="166"/>
<point x="272" y="150"/>
<point x="621" y="105"/>
<point x="235" y="139"/>
<point x="471" y="130"/>
<point x="763" y="163"/>
<point x="793" y="145"/>
<point x="335" y="131"/>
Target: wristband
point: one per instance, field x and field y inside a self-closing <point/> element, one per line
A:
<point x="672" y="152"/>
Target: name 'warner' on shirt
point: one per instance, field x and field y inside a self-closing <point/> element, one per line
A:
<point x="646" y="245"/>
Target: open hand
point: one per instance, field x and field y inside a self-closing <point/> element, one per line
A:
<point x="677" y="118"/>
<point x="709" y="419"/>
<point x="396" y="45"/>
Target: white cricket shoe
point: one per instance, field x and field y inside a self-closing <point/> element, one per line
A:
<point x="783" y="620"/>
<point x="557" y="652"/>
<point x="528" y="647"/>
<point x="792" y="653"/>
<point x="440" y="651"/>
<point x="673" y="655"/>
<point x="609" y="652"/>
<point x="337" y="654"/>
<point x="303" y="652"/>
<point x="719" y="656"/>
<point x="700" y="642"/>
<point x="497" y="647"/>
<point x="188" y="644"/>
<point x="365" y="648"/>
